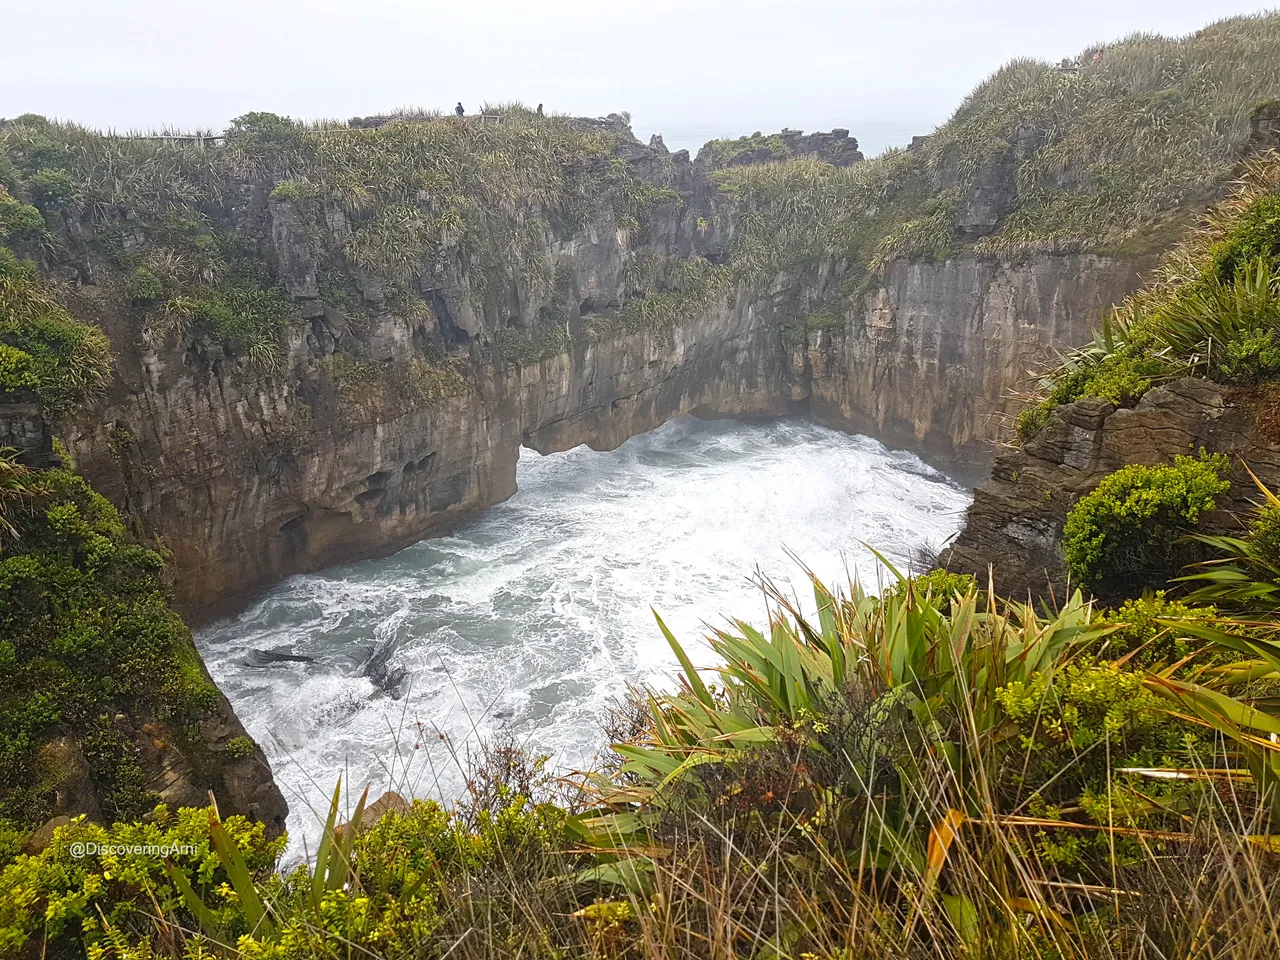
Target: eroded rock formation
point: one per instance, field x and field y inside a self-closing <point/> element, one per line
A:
<point x="1015" y="523"/>
<point x="250" y="478"/>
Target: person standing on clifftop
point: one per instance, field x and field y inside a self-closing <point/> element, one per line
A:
<point x="458" y="110"/>
<point x="539" y="109"/>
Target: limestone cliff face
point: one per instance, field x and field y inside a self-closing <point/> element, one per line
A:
<point x="245" y="486"/>
<point x="938" y="350"/>
<point x="247" y="483"/>
<point x="1015" y="522"/>
<point x="248" y="477"/>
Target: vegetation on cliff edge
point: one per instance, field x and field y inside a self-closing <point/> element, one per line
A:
<point x="936" y="772"/>
<point x="88" y="645"/>
<point x="1211" y="310"/>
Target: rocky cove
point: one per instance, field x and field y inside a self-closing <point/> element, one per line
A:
<point x="764" y="551"/>
<point x="307" y="346"/>
<point x="247" y="475"/>
<point x="247" y="479"/>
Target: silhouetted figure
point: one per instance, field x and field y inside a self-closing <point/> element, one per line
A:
<point x="458" y="110"/>
<point x="539" y="109"/>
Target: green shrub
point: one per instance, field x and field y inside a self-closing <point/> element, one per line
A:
<point x="1255" y="235"/>
<point x="145" y="287"/>
<point x="756" y="148"/>
<point x="17" y="370"/>
<point x="1252" y="357"/>
<point x="941" y="585"/>
<point x="1142" y="634"/>
<point x="1120" y="373"/>
<point x="1264" y="533"/>
<point x="1225" y="330"/>
<point x="1127" y="534"/>
<point x="1033" y="419"/>
<point x="60" y="899"/>
<point x="293" y="190"/>
<point x="51" y="190"/>
<point x="87" y="634"/>
<point x="18" y="220"/>
<point x="245" y="318"/>
<point x="68" y="359"/>
<point x="1077" y="724"/>
<point x="238" y="747"/>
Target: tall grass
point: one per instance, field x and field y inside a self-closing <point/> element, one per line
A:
<point x="936" y="773"/>
<point x="1104" y="159"/>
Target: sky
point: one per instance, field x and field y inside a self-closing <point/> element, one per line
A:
<point x="689" y="69"/>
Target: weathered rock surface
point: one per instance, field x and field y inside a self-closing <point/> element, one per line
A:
<point x="247" y="479"/>
<point x="937" y="351"/>
<point x="182" y="770"/>
<point x="1015" y="523"/>
<point x="221" y="763"/>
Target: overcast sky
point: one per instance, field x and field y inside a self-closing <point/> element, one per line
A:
<point x="689" y="69"/>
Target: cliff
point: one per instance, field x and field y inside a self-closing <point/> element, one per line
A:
<point x="936" y="355"/>
<point x="1014" y="526"/>
<point x="328" y="341"/>
<point x="248" y="480"/>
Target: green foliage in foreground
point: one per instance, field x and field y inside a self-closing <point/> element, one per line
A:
<point x="402" y="886"/>
<point x="86" y="633"/>
<point x="929" y="771"/>
<point x="63" y="897"/>
<point x="1245" y="575"/>
<point x="1128" y="533"/>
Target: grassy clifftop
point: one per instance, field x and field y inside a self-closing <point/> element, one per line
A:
<point x="1115" y="156"/>
<point x="1112" y="157"/>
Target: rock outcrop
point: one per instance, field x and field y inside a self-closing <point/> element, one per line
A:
<point x="835" y="147"/>
<point x="1015" y="523"/>
<point x="250" y="478"/>
<point x="937" y="351"/>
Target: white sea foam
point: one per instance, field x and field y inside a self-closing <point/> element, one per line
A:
<point x="535" y="615"/>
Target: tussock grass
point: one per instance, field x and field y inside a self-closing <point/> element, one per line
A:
<point x="1088" y="161"/>
<point x="937" y="773"/>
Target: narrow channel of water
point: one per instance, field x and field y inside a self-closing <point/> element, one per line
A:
<point x="533" y="616"/>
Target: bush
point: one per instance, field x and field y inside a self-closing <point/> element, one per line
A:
<point x="941" y="585"/>
<point x="1121" y="375"/>
<point x="17" y="370"/>
<point x="1033" y="419"/>
<point x="62" y="899"/>
<point x="67" y="358"/>
<point x="18" y="220"/>
<point x="145" y="287"/>
<point x="245" y="318"/>
<point x="293" y="190"/>
<point x="1142" y="634"/>
<point x="86" y="634"/>
<point x="1255" y="235"/>
<point x="1264" y="533"/>
<point x="1128" y="533"/>
<point x="51" y="190"/>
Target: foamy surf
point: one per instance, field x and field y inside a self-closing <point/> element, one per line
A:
<point x="532" y="617"/>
